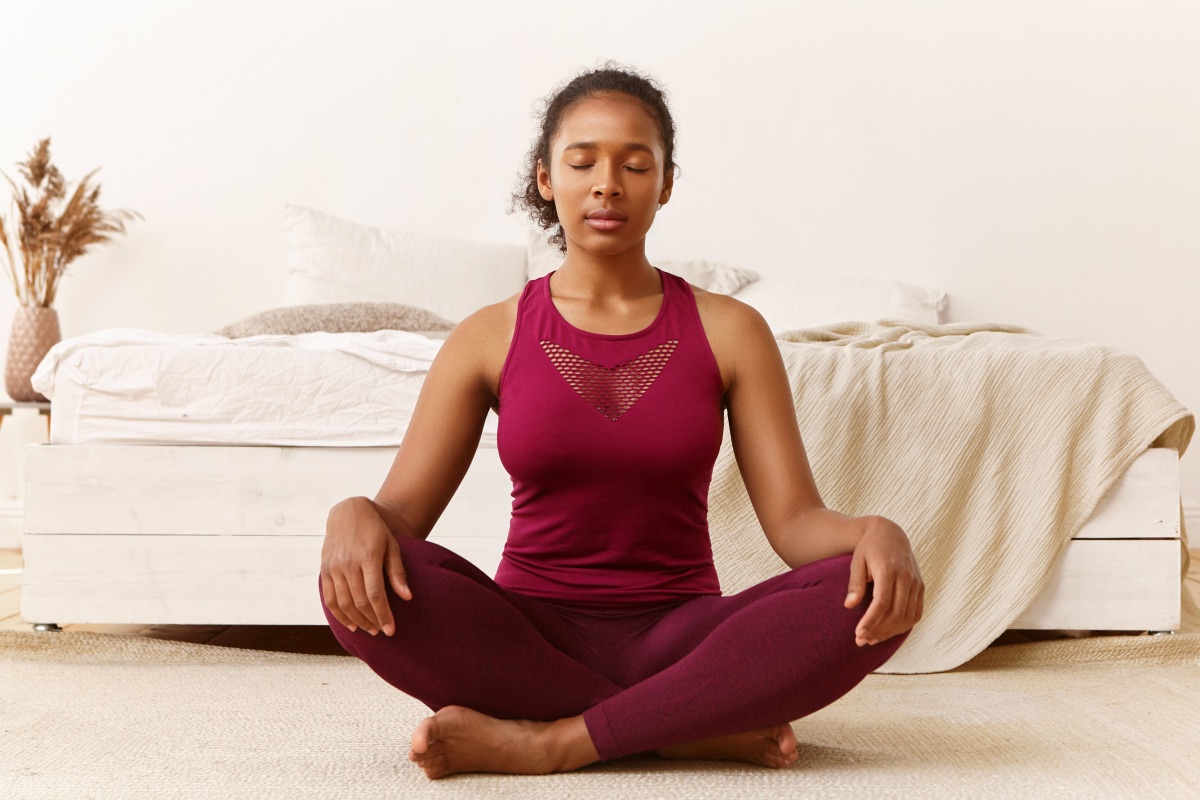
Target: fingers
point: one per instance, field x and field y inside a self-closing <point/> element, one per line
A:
<point x="344" y="600"/>
<point x="857" y="589"/>
<point x="873" y="624"/>
<point x="359" y="559"/>
<point x="330" y="596"/>
<point x="370" y="599"/>
<point x="359" y="600"/>
<point x="918" y="601"/>
<point x="373" y="602"/>
<point x="884" y="557"/>
<point x="897" y="604"/>
<point x="394" y="568"/>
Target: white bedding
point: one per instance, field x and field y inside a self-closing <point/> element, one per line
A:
<point x="129" y="386"/>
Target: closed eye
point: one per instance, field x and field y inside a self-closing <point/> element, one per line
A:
<point x="580" y="166"/>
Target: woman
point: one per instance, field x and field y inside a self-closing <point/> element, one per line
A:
<point x="604" y="632"/>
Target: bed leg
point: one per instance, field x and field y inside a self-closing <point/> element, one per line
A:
<point x="47" y="626"/>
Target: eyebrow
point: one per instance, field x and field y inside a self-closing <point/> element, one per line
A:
<point x="595" y="146"/>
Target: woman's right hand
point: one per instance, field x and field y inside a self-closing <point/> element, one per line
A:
<point x="359" y="553"/>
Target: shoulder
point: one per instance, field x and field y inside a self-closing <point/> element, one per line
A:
<point x="480" y="342"/>
<point x="735" y="330"/>
<point x="728" y="314"/>
<point x="488" y="323"/>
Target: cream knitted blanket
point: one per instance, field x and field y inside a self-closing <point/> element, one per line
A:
<point x="990" y="445"/>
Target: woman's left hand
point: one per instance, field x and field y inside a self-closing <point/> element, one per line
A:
<point x="883" y="556"/>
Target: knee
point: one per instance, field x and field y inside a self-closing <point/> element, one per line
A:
<point x="420" y="552"/>
<point x="829" y="579"/>
<point x="429" y="562"/>
<point x="829" y="574"/>
<point x="835" y="568"/>
<point x="414" y="551"/>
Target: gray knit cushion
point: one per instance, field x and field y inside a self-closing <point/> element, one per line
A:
<point x="337" y="318"/>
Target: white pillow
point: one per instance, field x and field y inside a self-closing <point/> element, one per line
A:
<point x="713" y="276"/>
<point x="791" y="303"/>
<point x="331" y="260"/>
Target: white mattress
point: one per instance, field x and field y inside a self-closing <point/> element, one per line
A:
<point x="129" y="386"/>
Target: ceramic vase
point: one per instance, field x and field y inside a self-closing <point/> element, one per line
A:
<point x="34" y="331"/>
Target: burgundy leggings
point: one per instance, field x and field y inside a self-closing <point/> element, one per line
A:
<point x="644" y="677"/>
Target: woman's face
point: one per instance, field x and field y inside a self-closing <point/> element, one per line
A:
<point x="606" y="174"/>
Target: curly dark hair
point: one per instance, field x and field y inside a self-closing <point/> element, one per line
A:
<point x="608" y="79"/>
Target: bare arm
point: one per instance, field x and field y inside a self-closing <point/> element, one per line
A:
<point x="361" y="554"/>
<point x="779" y="480"/>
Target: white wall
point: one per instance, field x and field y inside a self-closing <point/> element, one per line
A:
<point x="1040" y="161"/>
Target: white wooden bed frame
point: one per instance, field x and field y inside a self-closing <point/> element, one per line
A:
<point x="232" y="535"/>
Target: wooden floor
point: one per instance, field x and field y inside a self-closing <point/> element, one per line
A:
<point x="312" y="639"/>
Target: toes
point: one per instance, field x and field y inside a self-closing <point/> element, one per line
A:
<point x="778" y="760"/>
<point x="423" y="736"/>
<point x="785" y="758"/>
<point x="785" y="739"/>
<point x="435" y="767"/>
<point x="779" y="749"/>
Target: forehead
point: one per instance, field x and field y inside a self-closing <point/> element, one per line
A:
<point x="610" y="119"/>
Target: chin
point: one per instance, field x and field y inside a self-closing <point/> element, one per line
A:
<point x="605" y="245"/>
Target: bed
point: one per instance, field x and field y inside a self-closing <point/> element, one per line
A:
<point x="188" y="478"/>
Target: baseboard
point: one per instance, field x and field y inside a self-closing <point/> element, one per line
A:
<point x="12" y="517"/>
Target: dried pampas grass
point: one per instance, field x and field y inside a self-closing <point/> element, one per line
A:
<point x="49" y="230"/>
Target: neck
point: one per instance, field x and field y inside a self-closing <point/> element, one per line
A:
<point x="590" y="275"/>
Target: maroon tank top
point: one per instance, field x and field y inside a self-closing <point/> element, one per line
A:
<point x="610" y="442"/>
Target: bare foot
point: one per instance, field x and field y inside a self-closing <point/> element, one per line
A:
<point x="457" y="739"/>
<point x="769" y="747"/>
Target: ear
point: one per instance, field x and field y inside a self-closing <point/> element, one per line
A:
<point x="543" y="181"/>
<point x="668" y="185"/>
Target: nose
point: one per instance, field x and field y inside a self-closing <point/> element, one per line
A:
<point x="608" y="183"/>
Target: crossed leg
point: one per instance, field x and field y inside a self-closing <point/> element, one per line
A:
<point x="774" y="653"/>
<point x="463" y="640"/>
<point x="715" y="677"/>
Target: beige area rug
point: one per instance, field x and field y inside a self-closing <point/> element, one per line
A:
<point x="101" y="716"/>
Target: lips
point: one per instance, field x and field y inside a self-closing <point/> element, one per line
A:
<point x="605" y="219"/>
<point x="606" y="213"/>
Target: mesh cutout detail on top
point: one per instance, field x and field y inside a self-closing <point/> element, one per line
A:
<point x="610" y="390"/>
